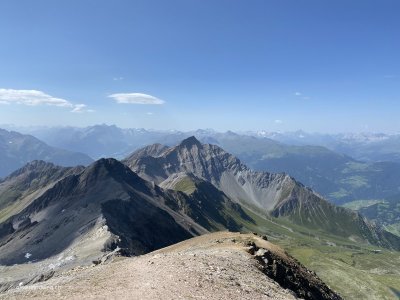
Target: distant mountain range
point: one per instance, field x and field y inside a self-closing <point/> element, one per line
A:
<point x="110" y="140"/>
<point x="18" y="149"/>
<point x="99" y="140"/>
<point x="313" y="159"/>
<point x="374" y="147"/>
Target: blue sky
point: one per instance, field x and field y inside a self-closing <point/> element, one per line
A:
<point x="327" y="66"/>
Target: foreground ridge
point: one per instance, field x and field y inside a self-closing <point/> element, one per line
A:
<point x="221" y="265"/>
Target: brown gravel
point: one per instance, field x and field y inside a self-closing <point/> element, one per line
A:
<point x="213" y="266"/>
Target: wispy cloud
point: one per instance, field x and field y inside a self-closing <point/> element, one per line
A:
<point x="36" y="98"/>
<point x="31" y="97"/>
<point x="300" y="95"/>
<point x="278" y="121"/>
<point x="149" y="113"/>
<point x="118" y="78"/>
<point x="81" y="108"/>
<point x="135" y="98"/>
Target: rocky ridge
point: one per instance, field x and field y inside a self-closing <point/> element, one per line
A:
<point x="214" y="266"/>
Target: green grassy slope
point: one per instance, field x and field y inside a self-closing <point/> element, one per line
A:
<point x="350" y="268"/>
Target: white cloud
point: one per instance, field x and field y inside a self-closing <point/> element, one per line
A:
<point x="136" y="98"/>
<point x="278" y="121"/>
<point x="297" y="94"/>
<point x="81" y="108"/>
<point x="118" y="78"/>
<point x="149" y="113"/>
<point x="31" y="97"/>
<point x="36" y="98"/>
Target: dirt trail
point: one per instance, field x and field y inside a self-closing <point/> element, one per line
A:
<point x="214" y="266"/>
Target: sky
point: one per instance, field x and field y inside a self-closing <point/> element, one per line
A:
<point x="316" y="65"/>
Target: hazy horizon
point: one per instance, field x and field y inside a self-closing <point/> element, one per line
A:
<point x="260" y="131"/>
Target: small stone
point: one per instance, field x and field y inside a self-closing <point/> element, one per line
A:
<point x="251" y="250"/>
<point x="260" y="252"/>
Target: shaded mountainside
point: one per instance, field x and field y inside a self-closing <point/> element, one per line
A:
<point x="138" y="216"/>
<point x="278" y="194"/>
<point x="17" y="149"/>
<point x="24" y="185"/>
<point x="207" y="205"/>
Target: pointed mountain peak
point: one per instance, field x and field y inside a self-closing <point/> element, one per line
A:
<point x="106" y="167"/>
<point x="190" y="142"/>
<point x="109" y="164"/>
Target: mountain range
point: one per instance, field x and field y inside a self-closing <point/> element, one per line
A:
<point x="18" y="149"/>
<point x="373" y="147"/>
<point x="55" y="218"/>
<point x="338" y="177"/>
<point x="277" y="194"/>
<point x="316" y="160"/>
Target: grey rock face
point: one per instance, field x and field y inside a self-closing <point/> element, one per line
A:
<point x="210" y="162"/>
<point x="277" y="194"/>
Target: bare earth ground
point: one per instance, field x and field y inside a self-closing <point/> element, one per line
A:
<point x="213" y="266"/>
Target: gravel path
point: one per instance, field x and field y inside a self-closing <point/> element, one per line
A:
<point x="213" y="266"/>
